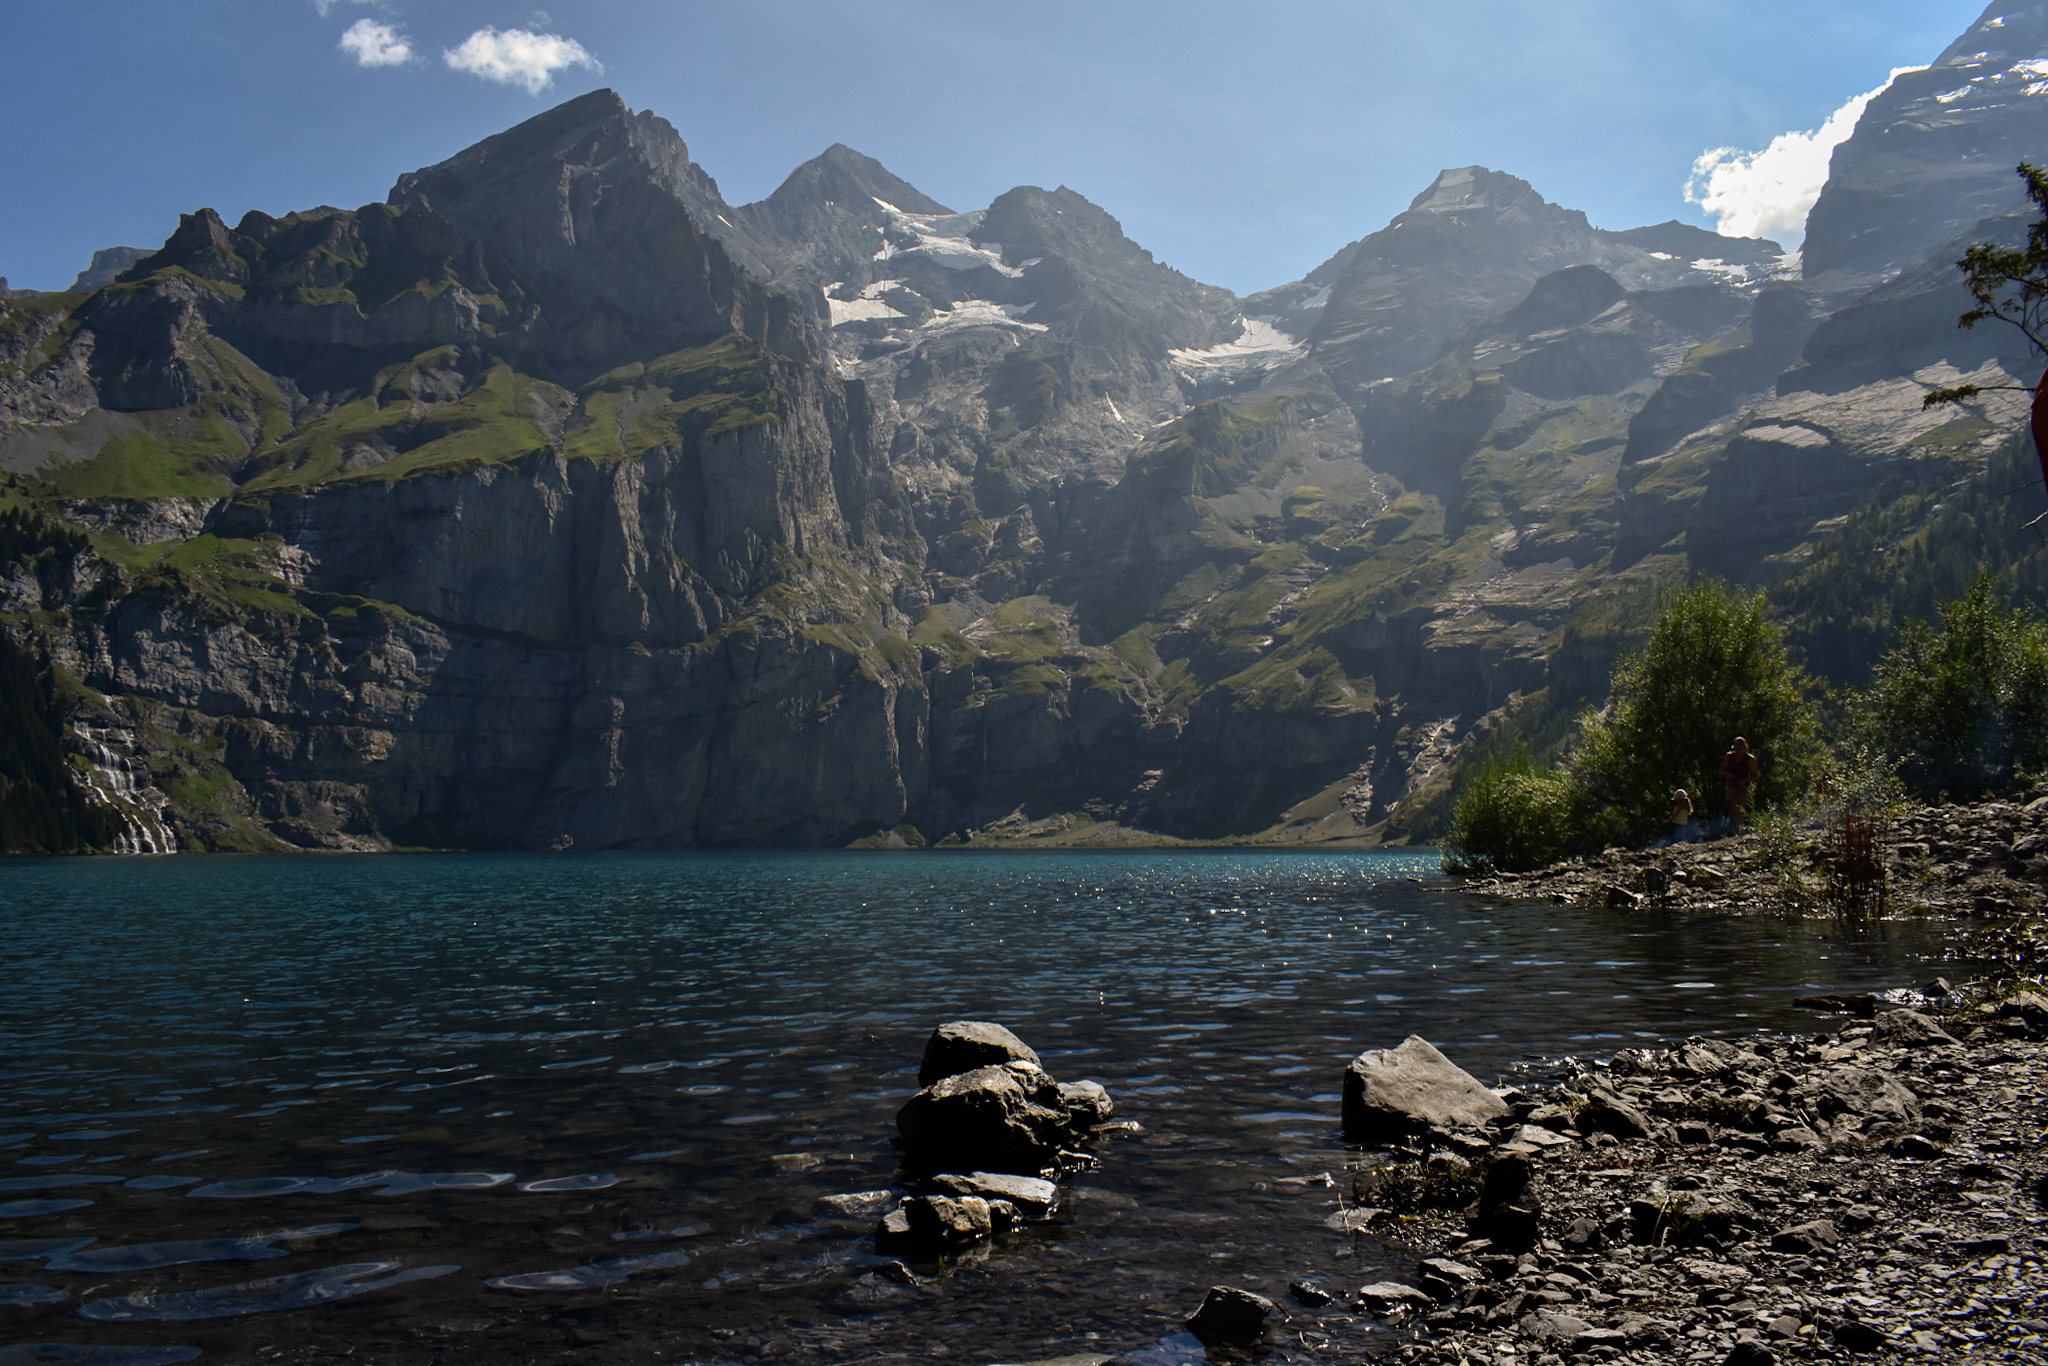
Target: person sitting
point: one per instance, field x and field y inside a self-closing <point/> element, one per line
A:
<point x="1681" y="828"/>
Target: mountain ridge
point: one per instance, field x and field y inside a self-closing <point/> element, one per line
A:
<point x="555" y="501"/>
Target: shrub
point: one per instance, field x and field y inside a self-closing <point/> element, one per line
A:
<point x="1962" y="708"/>
<point x="1715" y="668"/>
<point x="1513" y="817"/>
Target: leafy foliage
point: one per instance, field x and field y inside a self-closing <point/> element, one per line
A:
<point x="1513" y="817"/>
<point x="1715" y="668"/>
<point x="2008" y="283"/>
<point x="1962" y="707"/>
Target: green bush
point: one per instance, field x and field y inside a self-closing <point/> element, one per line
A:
<point x="1513" y="817"/>
<point x="1962" y="708"/>
<point x="1715" y="668"/>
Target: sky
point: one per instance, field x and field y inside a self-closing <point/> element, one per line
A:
<point x="1242" y="143"/>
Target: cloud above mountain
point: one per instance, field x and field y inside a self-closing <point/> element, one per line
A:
<point x="514" y="56"/>
<point x="375" y="44"/>
<point x="1768" y="193"/>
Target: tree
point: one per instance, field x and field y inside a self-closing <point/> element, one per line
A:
<point x="1962" y="709"/>
<point x="1715" y="667"/>
<point x="2011" y="285"/>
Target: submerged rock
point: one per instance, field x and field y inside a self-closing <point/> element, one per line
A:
<point x="1230" y="1315"/>
<point x="1394" y="1093"/>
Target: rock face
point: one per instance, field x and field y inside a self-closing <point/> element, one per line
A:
<point x="1934" y="152"/>
<point x="1394" y="1093"/>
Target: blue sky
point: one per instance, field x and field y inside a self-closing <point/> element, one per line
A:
<point x="1242" y="143"/>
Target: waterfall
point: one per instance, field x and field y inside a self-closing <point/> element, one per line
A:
<point x="117" y="782"/>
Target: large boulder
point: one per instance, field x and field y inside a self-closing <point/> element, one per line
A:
<point x="997" y="1119"/>
<point x="1394" y="1093"/>
<point x="963" y="1045"/>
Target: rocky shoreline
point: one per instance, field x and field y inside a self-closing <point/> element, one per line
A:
<point x="1987" y="858"/>
<point x="1874" y="1193"/>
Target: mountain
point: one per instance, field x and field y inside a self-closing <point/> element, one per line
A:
<point x="1934" y="152"/>
<point x="555" y="501"/>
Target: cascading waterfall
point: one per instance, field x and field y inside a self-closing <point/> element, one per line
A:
<point x="112" y="778"/>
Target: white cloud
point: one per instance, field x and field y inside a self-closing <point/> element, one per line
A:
<point x="515" y="57"/>
<point x="325" y="5"/>
<point x="375" y="44"/>
<point x="1767" y="193"/>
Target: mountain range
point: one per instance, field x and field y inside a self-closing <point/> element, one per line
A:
<point x="556" y="502"/>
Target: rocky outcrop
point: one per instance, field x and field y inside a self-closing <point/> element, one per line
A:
<point x="982" y="1136"/>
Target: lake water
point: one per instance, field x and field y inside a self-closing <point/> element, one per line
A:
<point x="410" y="1109"/>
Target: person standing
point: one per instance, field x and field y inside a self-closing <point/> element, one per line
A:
<point x="1739" y="772"/>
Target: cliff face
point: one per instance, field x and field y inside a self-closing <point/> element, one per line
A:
<point x="558" y="502"/>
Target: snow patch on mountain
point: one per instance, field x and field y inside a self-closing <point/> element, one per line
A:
<point x="942" y="239"/>
<point x="1261" y="346"/>
<point x="980" y="313"/>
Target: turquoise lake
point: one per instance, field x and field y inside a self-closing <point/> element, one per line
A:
<point x="500" y="1108"/>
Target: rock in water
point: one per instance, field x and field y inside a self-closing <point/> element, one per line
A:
<point x="963" y="1045"/>
<point x="1087" y="1105"/>
<point x="1033" y="1197"/>
<point x="1390" y="1094"/>
<point x="926" y="1224"/>
<point x="999" y="1119"/>
<point x="1230" y="1315"/>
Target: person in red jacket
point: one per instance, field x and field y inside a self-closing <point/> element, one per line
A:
<point x="1739" y="772"/>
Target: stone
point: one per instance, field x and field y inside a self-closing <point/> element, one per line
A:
<point x="1857" y="1336"/>
<point x="1443" y="1279"/>
<point x="926" y="1224"/>
<point x="1033" y="1197"/>
<point x="1381" y="1296"/>
<point x="1508" y="1211"/>
<point x="1392" y="1094"/>
<point x="1230" y="1315"/>
<point x="1909" y="1029"/>
<point x="1310" y="1294"/>
<point x="1088" y="1105"/>
<point x="1918" y="1145"/>
<point x="1807" y="1240"/>
<point x="1599" y="1337"/>
<point x="1550" y="1325"/>
<point x="1974" y="1248"/>
<point x="997" y="1119"/>
<point x="964" y="1045"/>
<point x="1750" y="1352"/>
<point x="1608" y="1113"/>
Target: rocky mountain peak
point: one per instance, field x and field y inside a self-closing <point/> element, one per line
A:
<point x="843" y="177"/>
<point x="1476" y="187"/>
<point x="201" y="245"/>
<point x="1934" y="153"/>
<point x="585" y="201"/>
